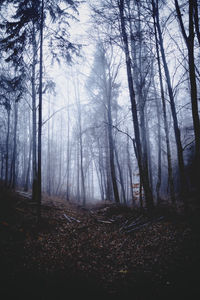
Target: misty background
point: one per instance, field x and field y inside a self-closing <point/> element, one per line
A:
<point x="90" y="148"/>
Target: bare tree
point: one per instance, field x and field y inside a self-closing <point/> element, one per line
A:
<point x="143" y="168"/>
<point x="189" y="41"/>
<point x="183" y="181"/>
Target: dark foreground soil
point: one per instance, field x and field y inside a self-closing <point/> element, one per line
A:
<point x="102" y="252"/>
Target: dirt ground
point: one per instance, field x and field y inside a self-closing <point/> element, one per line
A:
<point x="99" y="252"/>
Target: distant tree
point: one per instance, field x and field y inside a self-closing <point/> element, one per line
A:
<point x="166" y="127"/>
<point x="27" y="26"/>
<point x="103" y="87"/>
<point x="8" y="87"/>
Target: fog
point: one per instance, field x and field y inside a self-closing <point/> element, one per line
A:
<point x="119" y="88"/>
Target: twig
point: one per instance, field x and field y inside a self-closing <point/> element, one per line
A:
<point x="78" y="221"/>
<point x="145" y="224"/>
<point x="125" y="226"/>
<point x="140" y="226"/>
<point x="66" y="217"/>
<point x="102" y="221"/>
<point x="69" y="218"/>
<point x="188" y="145"/>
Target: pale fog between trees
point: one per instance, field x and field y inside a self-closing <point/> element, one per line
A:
<point x="99" y="100"/>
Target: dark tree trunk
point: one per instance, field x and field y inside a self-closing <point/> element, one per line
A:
<point x="15" y="146"/>
<point x="26" y="186"/>
<point x="183" y="182"/>
<point x="7" y="146"/>
<point x="111" y="155"/>
<point x="189" y="40"/>
<point x="120" y="176"/>
<point x="196" y="20"/>
<point x="169" y="161"/>
<point x="130" y="170"/>
<point x="34" y="128"/>
<point x="39" y="181"/>
<point x="108" y="97"/>
<point x="143" y="170"/>
<point x="83" y="194"/>
<point x="68" y="154"/>
<point x="78" y="173"/>
<point x="159" y="174"/>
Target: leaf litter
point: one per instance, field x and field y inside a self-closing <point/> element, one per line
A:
<point x="106" y="249"/>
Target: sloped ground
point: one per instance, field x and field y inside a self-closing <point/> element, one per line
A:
<point x="100" y="252"/>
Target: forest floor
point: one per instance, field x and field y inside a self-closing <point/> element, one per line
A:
<point x="101" y="251"/>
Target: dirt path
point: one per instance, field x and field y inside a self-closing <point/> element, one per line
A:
<point x="104" y="251"/>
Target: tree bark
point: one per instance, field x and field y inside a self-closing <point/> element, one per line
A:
<point x="169" y="161"/>
<point x="7" y="146"/>
<point x="39" y="181"/>
<point x="183" y="182"/>
<point x="34" y="128"/>
<point x="189" y="40"/>
<point x="196" y="20"/>
<point x="120" y="176"/>
<point x="142" y="169"/>
<point x="130" y="171"/>
<point x="15" y="146"/>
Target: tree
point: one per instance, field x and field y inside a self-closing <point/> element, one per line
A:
<point x="29" y="26"/>
<point x="183" y="182"/>
<point x="39" y="175"/>
<point x="170" y="171"/>
<point x="10" y="97"/>
<point x="103" y="76"/>
<point x="143" y="168"/>
<point x="189" y="41"/>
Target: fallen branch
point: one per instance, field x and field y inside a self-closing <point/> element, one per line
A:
<point x="20" y="210"/>
<point x="135" y="222"/>
<point x="138" y="227"/>
<point x="145" y="224"/>
<point x="78" y="221"/>
<point x="70" y="219"/>
<point x="24" y="194"/>
<point x="106" y="222"/>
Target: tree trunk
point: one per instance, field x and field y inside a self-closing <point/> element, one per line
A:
<point x="120" y="176"/>
<point x="34" y="129"/>
<point x="130" y="170"/>
<point x="15" y="145"/>
<point x="26" y="186"/>
<point x="159" y="174"/>
<point x="142" y="169"/>
<point x="68" y="153"/>
<point x="196" y="20"/>
<point x="170" y="171"/>
<point x="183" y="182"/>
<point x="78" y="173"/>
<point x="39" y="181"/>
<point x="83" y="194"/>
<point x="111" y="154"/>
<point x="80" y="138"/>
<point x="7" y="146"/>
<point x="189" y="40"/>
